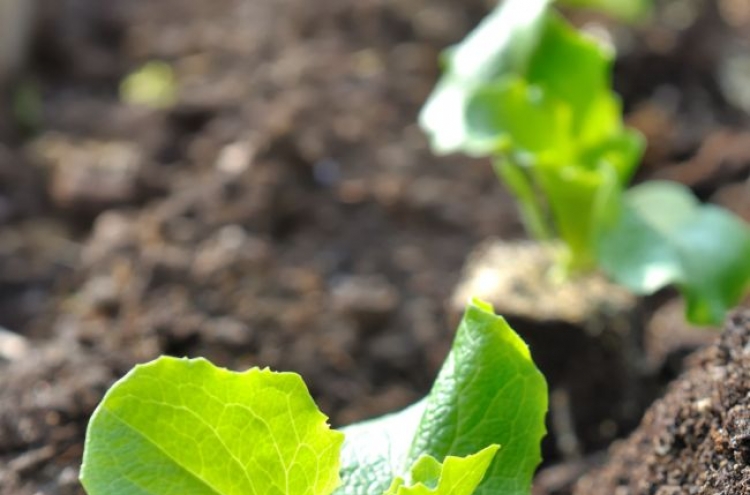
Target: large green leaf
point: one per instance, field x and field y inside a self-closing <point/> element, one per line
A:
<point x="665" y="236"/>
<point x="185" y="427"/>
<point x="488" y="392"/>
<point x="455" y="476"/>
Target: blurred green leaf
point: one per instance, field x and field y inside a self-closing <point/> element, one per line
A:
<point x="510" y="115"/>
<point x="530" y="90"/>
<point x="152" y="85"/>
<point x="502" y="44"/>
<point x="665" y="236"/>
<point x="575" y="70"/>
<point x="533" y="207"/>
<point x="579" y="199"/>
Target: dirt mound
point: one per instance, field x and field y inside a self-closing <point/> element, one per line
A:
<point x="696" y="440"/>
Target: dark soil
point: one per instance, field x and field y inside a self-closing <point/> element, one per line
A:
<point x="696" y="440"/>
<point x="286" y="212"/>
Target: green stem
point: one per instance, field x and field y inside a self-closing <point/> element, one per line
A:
<point x="521" y="185"/>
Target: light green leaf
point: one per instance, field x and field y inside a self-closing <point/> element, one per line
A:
<point x="455" y="476"/>
<point x="621" y="151"/>
<point x="488" y="392"/>
<point x="492" y="119"/>
<point x="569" y="70"/>
<point x="579" y="199"/>
<point x="501" y="44"/>
<point x="152" y="85"/>
<point x="376" y="451"/>
<point x="665" y="236"/>
<point x="427" y="470"/>
<point x="179" y="426"/>
<point x="536" y="94"/>
<point x="575" y="69"/>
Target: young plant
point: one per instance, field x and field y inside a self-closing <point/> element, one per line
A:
<point x="528" y="90"/>
<point x="152" y="85"/>
<point x="664" y="236"/>
<point x="180" y="426"/>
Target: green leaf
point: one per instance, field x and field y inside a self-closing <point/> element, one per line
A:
<point x="579" y="200"/>
<point x="575" y="70"/>
<point x="455" y="476"/>
<point x="569" y="75"/>
<point x="376" y="451"/>
<point x="492" y="119"/>
<point x="488" y="392"/>
<point x="532" y="63"/>
<point x="665" y="236"/>
<point x="529" y="89"/>
<point x="622" y="151"/>
<point x="179" y="426"/>
<point x="428" y="470"/>
<point x="502" y="44"/>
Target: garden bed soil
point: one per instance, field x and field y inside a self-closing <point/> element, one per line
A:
<point x="697" y="438"/>
<point x="286" y="212"/>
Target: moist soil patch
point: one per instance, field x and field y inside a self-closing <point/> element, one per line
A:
<point x="695" y="440"/>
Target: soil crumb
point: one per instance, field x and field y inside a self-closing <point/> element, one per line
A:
<point x="696" y="440"/>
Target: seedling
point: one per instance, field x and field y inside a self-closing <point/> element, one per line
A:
<point x="181" y="426"/>
<point x="152" y="85"/>
<point x="528" y="90"/>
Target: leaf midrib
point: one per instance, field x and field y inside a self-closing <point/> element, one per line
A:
<point x="166" y="454"/>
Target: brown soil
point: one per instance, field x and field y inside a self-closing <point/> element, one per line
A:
<point x="696" y="440"/>
<point x="286" y="212"/>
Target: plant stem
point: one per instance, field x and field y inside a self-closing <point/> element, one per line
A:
<point x="522" y="186"/>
